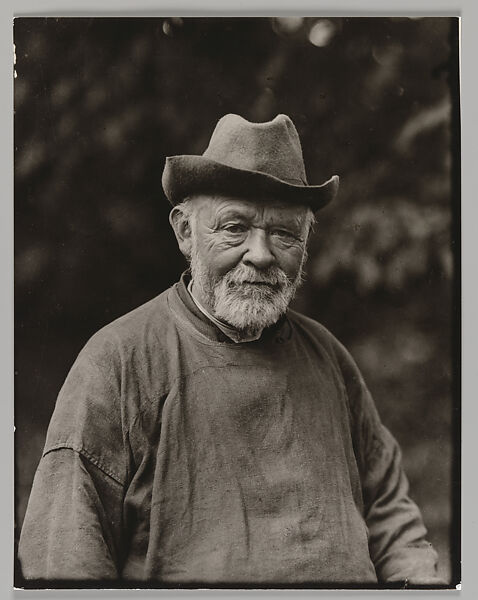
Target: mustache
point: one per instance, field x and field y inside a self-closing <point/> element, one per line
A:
<point x="244" y="274"/>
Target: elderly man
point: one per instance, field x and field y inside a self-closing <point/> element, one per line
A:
<point x="213" y="436"/>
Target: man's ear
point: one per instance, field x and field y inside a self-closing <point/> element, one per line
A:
<point x="181" y="224"/>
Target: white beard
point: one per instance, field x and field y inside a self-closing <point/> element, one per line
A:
<point x="246" y="306"/>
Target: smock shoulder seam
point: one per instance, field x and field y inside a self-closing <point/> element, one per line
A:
<point x="90" y="457"/>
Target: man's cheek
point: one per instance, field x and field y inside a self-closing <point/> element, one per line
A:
<point x="224" y="260"/>
<point x="291" y="263"/>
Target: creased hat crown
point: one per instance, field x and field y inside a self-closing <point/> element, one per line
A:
<point x="272" y="148"/>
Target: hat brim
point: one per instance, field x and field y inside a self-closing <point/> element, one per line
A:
<point x="186" y="175"/>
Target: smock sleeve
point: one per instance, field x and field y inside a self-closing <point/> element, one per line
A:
<point x="397" y="535"/>
<point x="73" y="523"/>
<point x="72" y="528"/>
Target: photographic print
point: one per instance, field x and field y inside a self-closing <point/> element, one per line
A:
<point x="237" y="302"/>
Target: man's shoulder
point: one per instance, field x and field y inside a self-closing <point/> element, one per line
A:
<point x="142" y="326"/>
<point x="321" y="335"/>
<point x="122" y="371"/>
<point x="312" y="327"/>
<point x="336" y="351"/>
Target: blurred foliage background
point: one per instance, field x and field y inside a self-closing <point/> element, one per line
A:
<point x="100" y="102"/>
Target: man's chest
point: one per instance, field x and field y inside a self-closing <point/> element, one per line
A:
<point x="251" y="458"/>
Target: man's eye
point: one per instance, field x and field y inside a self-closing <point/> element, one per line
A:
<point x="285" y="235"/>
<point x="234" y="228"/>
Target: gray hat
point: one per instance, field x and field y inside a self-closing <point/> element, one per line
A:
<point x="248" y="160"/>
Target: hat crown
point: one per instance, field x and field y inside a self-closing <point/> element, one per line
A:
<point x="272" y="148"/>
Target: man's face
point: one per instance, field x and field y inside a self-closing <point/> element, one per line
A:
<point x="247" y="258"/>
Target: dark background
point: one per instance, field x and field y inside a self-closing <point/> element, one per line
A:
<point x="100" y="102"/>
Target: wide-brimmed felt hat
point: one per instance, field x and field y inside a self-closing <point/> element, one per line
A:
<point x="248" y="160"/>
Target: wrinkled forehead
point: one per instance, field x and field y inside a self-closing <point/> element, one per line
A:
<point x="270" y="210"/>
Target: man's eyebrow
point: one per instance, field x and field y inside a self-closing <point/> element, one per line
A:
<point x="231" y="213"/>
<point x="289" y="221"/>
<point x="293" y="222"/>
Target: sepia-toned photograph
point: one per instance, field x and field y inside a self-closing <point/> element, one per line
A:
<point x="237" y="302"/>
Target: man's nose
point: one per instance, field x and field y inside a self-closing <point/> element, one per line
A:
<point x="258" y="251"/>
